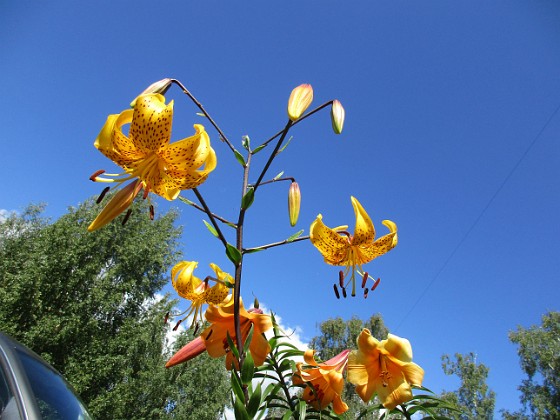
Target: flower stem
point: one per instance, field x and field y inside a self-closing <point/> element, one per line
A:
<point x="211" y="216"/>
<point x="206" y="114"/>
<point x="272" y="245"/>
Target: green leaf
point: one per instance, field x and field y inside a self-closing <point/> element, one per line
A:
<point x="254" y="401"/>
<point x="186" y="200"/>
<point x="294" y="236"/>
<point x="277" y="177"/>
<point x="286" y="145"/>
<point x="248" y="340"/>
<point x="239" y="158"/>
<point x="240" y="410"/>
<point x="200" y="114"/>
<point x="232" y="346"/>
<point x="302" y="408"/>
<point x="246" y="142"/>
<point x="233" y="254"/>
<point x="287" y="415"/>
<point x="259" y="148"/>
<point x="236" y="387"/>
<point x="252" y="251"/>
<point x="248" y="198"/>
<point x="210" y="228"/>
<point x="248" y="369"/>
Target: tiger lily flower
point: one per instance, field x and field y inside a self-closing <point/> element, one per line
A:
<point x="199" y="292"/>
<point x="384" y="368"/>
<point x="214" y="338"/>
<point x="146" y="155"/>
<point x="325" y="380"/>
<point x="340" y="248"/>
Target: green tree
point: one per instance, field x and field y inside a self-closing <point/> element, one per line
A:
<point x="473" y="398"/>
<point x="338" y="335"/>
<point x="87" y="303"/>
<point x="539" y="354"/>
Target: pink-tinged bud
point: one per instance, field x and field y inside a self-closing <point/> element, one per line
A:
<point x="300" y="99"/>
<point x="337" y="116"/>
<point x="294" y="203"/>
<point x="188" y="352"/>
<point x="160" y="87"/>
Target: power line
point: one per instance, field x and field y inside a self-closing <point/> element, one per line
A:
<point x="479" y="217"/>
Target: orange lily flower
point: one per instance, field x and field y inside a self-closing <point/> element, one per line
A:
<point x="384" y="368"/>
<point x="214" y="338"/>
<point x="325" y="379"/>
<point x="340" y="248"/>
<point x="147" y="156"/>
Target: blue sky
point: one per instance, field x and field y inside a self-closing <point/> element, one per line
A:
<point x="452" y="132"/>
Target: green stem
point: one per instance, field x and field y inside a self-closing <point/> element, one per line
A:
<point x="211" y="216"/>
<point x="273" y="154"/>
<point x="272" y="245"/>
<point x="206" y="114"/>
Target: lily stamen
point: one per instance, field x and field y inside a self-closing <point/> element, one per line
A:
<point x="96" y="174"/>
<point x="336" y="291"/>
<point x="177" y="325"/>
<point x="375" y="284"/>
<point x="102" y="195"/>
<point x="126" y="216"/>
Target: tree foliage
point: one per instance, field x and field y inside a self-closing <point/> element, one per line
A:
<point x="337" y="335"/>
<point x="473" y="398"/>
<point x="539" y="354"/>
<point x="87" y="303"/>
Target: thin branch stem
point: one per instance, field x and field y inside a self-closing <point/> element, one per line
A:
<point x="211" y="216"/>
<point x="206" y="114"/>
<point x="265" y="143"/>
<point x="272" y="245"/>
<point x="273" y="154"/>
<point x="289" y="178"/>
<point x="196" y="206"/>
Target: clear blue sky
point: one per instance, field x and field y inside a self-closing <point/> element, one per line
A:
<point x="451" y="132"/>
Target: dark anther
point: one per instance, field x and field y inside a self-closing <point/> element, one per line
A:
<point x="102" y="195"/>
<point x="366" y="293"/>
<point x="364" y="279"/>
<point x="341" y="278"/>
<point x="197" y="326"/>
<point x="344" y="291"/>
<point x="336" y="291"/>
<point x="209" y="334"/>
<point x="126" y="216"/>
<point x="146" y="192"/>
<point x="96" y="174"/>
<point x="177" y="326"/>
<point x="375" y="284"/>
<point x="166" y="318"/>
<point x="152" y="212"/>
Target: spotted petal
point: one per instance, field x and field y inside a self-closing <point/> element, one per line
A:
<point x="330" y="244"/>
<point x="364" y="233"/>
<point x="151" y="123"/>
<point x="381" y="245"/>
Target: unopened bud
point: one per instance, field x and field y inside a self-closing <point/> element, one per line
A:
<point x="256" y="303"/>
<point x="160" y="87"/>
<point x="294" y="203"/>
<point x="337" y="116"/>
<point x="300" y="99"/>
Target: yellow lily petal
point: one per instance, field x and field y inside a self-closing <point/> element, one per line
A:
<point x="190" y="153"/>
<point x="150" y="128"/>
<point x="398" y="348"/>
<point x="364" y="231"/>
<point x="330" y="244"/>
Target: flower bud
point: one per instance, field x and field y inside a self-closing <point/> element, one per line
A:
<point x="160" y="87"/>
<point x="299" y="101"/>
<point x="294" y="202"/>
<point x="337" y="116"/>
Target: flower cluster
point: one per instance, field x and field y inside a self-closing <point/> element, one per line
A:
<point x="152" y="164"/>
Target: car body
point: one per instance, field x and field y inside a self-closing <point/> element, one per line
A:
<point x="31" y="389"/>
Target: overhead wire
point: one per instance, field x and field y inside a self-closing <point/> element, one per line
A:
<point x="479" y="217"/>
